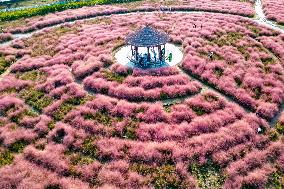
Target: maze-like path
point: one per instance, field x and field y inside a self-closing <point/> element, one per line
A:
<point x="73" y="118"/>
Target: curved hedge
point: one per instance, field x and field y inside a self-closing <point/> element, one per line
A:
<point x="13" y="15"/>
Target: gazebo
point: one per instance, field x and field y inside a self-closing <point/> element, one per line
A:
<point x="153" y="40"/>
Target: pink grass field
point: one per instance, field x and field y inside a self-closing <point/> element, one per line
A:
<point x="71" y="117"/>
<point x="274" y="10"/>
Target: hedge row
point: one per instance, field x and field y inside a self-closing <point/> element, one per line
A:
<point x="13" y="15"/>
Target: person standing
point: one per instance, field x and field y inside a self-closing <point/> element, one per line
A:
<point x="170" y="57"/>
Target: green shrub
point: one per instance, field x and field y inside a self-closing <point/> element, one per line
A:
<point x="100" y="117"/>
<point x="273" y="134"/>
<point x="6" y="158"/>
<point x="209" y="175"/>
<point x="67" y="106"/>
<point x="51" y="125"/>
<point x="89" y="116"/>
<point x="129" y="131"/>
<point x="18" y="146"/>
<point x="62" y="111"/>
<point x="29" y="12"/>
<point x="89" y="149"/>
<point x="37" y="99"/>
<point x="275" y="180"/>
<point x="280" y="127"/>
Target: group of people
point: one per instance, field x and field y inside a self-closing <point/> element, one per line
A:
<point x="143" y="59"/>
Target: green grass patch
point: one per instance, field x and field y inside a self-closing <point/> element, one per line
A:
<point x="2" y="123"/>
<point x="164" y="176"/>
<point x="257" y="92"/>
<point x="100" y="20"/>
<point x="267" y="61"/>
<point x="129" y="131"/>
<point x="103" y="118"/>
<point x="244" y="52"/>
<point x="228" y="39"/>
<point x="110" y="76"/>
<point x="18" y="146"/>
<point x="67" y="106"/>
<point x="275" y="181"/>
<point x="198" y="110"/>
<point x="208" y="176"/>
<point x="6" y="25"/>
<point x="89" y="149"/>
<point x="35" y="98"/>
<point x="218" y="72"/>
<point x="214" y="57"/>
<point x="254" y="29"/>
<point x="62" y="111"/>
<point x="6" y="158"/>
<point x="273" y="134"/>
<point x="51" y="125"/>
<point x="4" y="65"/>
<point x="100" y="117"/>
<point x="38" y="43"/>
<point x="83" y="155"/>
<point x="77" y="158"/>
<point x="33" y="75"/>
<point x="18" y="117"/>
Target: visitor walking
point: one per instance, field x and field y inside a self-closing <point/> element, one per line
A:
<point x="210" y="55"/>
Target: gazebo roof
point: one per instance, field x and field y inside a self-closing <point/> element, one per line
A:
<point x="147" y="37"/>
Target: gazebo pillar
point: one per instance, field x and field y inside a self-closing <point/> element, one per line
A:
<point x="164" y="52"/>
<point x="136" y="53"/>
<point x="148" y="54"/>
<point x="160" y="52"/>
<point x="132" y="51"/>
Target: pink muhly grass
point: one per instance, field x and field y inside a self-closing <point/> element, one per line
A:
<point x="153" y="114"/>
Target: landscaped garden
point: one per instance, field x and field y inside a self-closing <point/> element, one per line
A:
<point x="71" y="116"/>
